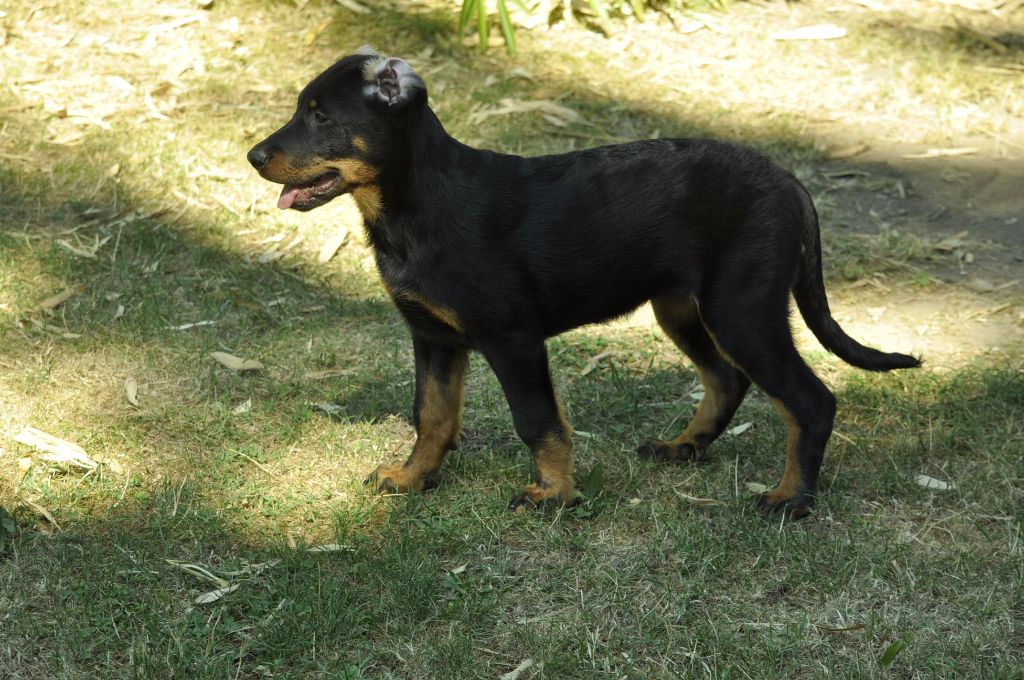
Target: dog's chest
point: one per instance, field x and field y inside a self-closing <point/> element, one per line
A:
<point x="408" y="287"/>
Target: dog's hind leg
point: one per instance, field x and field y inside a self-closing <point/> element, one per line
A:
<point x="754" y="333"/>
<point x="724" y="385"/>
<point x="522" y="370"/>
<point x="437" y="412"/>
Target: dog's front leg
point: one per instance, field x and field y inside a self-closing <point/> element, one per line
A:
<point x="437" y="413"/>
<point x="522" y="370"/>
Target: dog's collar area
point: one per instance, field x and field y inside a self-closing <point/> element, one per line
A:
<point x="297" y="195"/>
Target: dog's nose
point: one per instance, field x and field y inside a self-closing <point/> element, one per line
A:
<point x="258" y="156"/>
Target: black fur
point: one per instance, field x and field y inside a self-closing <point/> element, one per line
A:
<point x="496" y="253"/>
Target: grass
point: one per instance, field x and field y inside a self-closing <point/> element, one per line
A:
<point x="227" y="470"/>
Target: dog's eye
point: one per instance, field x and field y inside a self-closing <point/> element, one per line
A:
<point x="319" y="116"/>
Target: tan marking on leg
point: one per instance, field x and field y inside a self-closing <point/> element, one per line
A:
<point x="709" y="410"/>
<point x="553" y="458"/>
<point x="791" y="482"/>
<point x="671" y="313"/>
<point x="439" y="424"/>
<point x="360" y="144"/>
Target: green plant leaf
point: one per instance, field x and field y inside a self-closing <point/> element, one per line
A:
<point x="481" y="24"/>
<point x="594" y="483"/>
<point x="602" y="15"/>
<point x="508" y="31"/>
<point x="890" y="652"/>
<point x="469" y="9"/>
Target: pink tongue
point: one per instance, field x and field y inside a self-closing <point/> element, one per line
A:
<point x="288" y="195"/>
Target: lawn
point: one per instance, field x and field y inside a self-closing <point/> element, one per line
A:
<point x="221" y="528"/>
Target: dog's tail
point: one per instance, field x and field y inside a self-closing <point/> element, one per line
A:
<point x="809" y="292"/>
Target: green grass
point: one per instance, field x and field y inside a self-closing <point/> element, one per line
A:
<point x="639" y="583"/>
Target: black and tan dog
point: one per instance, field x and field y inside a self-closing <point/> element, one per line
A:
<point x="496" y="253"/>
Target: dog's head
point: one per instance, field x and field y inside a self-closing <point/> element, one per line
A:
<point x="342" y="131"/>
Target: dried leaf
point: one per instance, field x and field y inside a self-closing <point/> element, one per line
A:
<point x="329" y="547"/>
<point x="980" y="285"/>
<point x="740" y="429"/>
<point x="848" y="151"/>
<point x="198" y="571"/>
<point x="57" y="450"/>
<point x="131" y="391"/>
<point x="932" y="483"/>
<point x="51" y="302"/>
<point x="693" y="500"/>
<point x="75" y="250"/>
<point x="514" y="674"/>
<point x="244" y="407"/>
<point x="756" y="487"/>
<point x="943" y="153"/>
<point x="353" y="6"/>
<point x="328" y="373"/>
<point x="511" y="106"/>
<point x="252" y="569"/>
<point x="193" y="324"/>
<point x="594" y="361"/>
<point x="816" y="32"/>
<point x="236" y="363"/>
<point x="332" y="244"/>
<point x="459" y="569"/>
<point x="44" y="512"/>
<point x="315" y="33"/>
<point x="328" y="408"/>
<point x="844" y="629"/>
<point x="214" y="595"/>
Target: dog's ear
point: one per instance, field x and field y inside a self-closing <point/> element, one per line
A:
<point x="392" y="85"/>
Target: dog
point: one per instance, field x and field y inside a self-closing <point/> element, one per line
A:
<point x="495" y="253"/>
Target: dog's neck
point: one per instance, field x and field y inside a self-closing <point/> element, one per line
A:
<point x="411" y="181"/>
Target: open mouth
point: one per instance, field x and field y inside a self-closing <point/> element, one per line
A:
<point x="311" y="194"/>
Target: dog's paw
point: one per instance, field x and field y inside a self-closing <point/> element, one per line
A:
<point x="796" y="506"/>
<point x="536" y="496"/>
<point x="396" y="478"/>
<point x="667" y="452"/>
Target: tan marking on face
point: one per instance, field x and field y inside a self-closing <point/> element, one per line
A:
<point x="356" y="175"/>
<point x="360" y="144"/>
<point x="355" y="171"/>
<point x="311" y="104"/>
<point x="279" y="169"/>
